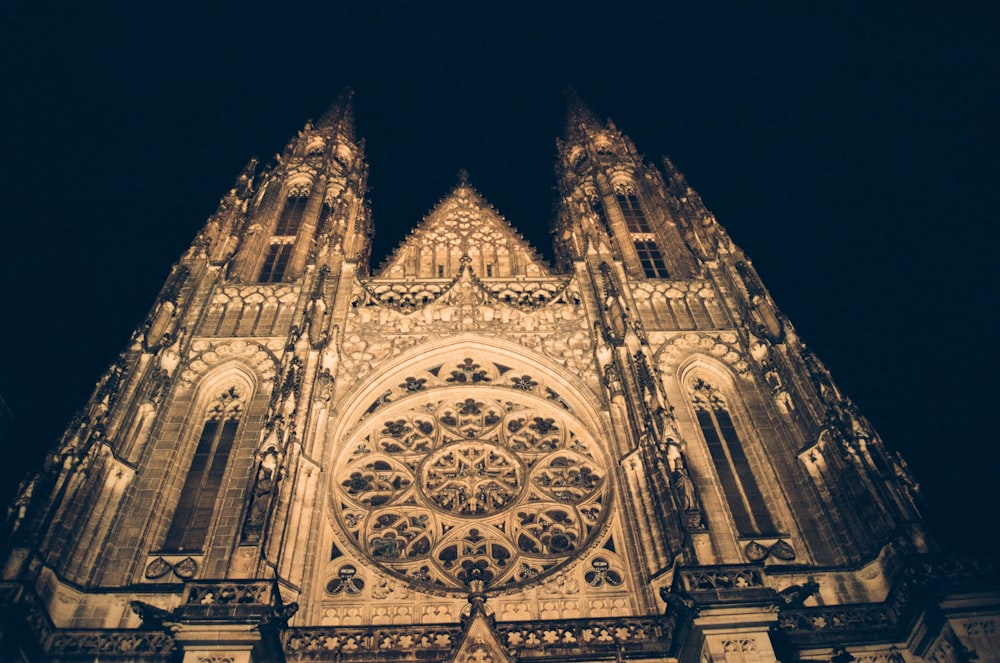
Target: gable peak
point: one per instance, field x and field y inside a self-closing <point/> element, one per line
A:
<point x="464" y="224"/>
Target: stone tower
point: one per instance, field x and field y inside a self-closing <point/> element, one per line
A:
<point x="471" y="455"/>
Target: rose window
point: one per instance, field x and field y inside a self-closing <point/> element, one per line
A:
<point x="455" y="485"/>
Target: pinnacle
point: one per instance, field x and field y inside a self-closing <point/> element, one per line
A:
<point x="577" y="112"/>
<point x="341" y="114"/>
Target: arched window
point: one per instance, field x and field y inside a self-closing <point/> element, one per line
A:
<point x="291" y="217"/>
<point x="193" y="515"/>
<point x="643" y="239"/>
<point x="283" y="239"/>
<point x="736" y="477"/>
<point x="635" y="219"/>
<point x="653" y="264"/>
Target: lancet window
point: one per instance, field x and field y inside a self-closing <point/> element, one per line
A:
<point x="279" y="251"/>
<point x="643" y="239"/>
<point x="653" y="265"/>
<point x="736" y="477"/>
<point x="189" y="527"/>
<point x="291" y="217"/>
<point x="635" y="219"/>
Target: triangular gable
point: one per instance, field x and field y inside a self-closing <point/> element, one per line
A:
<point x="479" y="643"/>
<point x="464" y="225"/>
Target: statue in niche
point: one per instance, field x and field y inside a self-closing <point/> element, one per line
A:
<point x="260" y="499"/>
<point x="684" y="489"/>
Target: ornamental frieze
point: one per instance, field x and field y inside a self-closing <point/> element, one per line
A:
<point x="375" y="332"/>
<point x="649" y="289"/>
<point x="285" y="293"/>
<point x="207" y="353"/>
<point x="472" y="369"/>
<point x="672" y="349"/>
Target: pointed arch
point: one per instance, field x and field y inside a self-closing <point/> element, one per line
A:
<point x="213" y="434"/>
<point x="572" y="390"/>
<point x="709" y="390"/>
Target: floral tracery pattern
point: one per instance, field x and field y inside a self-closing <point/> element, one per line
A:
<point x="446" y="488"/>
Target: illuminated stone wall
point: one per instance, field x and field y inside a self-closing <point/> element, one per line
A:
<point x="470" y="454"/>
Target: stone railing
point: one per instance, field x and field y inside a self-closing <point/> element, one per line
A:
<point x="723" y="583"/>
<point x="525" y="641"/>
<point x="226" y="599"/>
<point x="390" y="643"/>
<point x="586" y="638"/>
<point x="112" y="644"/>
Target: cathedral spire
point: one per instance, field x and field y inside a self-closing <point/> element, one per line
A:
<point x="341" y="114"/>
<point x="578" y="114"/>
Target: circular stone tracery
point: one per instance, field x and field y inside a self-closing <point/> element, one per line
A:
<point x="449" y="486"/>
<point x="471" y="479"/>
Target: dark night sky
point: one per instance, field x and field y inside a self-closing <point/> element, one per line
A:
<point x="851" y="152"/>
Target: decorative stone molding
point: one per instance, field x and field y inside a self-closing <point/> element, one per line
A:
<point x="408" y="643"/>
<point x="739" y="646"/>
<point x="207" y="354"/>
<point x="159" y="568"/>
<point x="715" y="578"/>
<point x="755" y="551"/>
<point x="585" y="637"/>
<point x="112" y="645"/>
<point x="724" y="346"/>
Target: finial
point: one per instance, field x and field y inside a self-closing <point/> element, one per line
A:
<point x="477" y="596"/>
<point x="463" y="177"/>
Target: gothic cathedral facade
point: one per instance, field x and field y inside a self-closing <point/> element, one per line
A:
<point x="470" y="455"/>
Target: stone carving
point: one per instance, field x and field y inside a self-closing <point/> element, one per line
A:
<point x="740" y="646"/>
<point x="850" y="617"/>
<point x="723" y="346"/>
<point x="260" y="497"/>
<point x="444" y="490"/>
<point x="755" y="552"/>
<point x="347" y="581"/>
<point x="152" y="617"/>
<point x="464" y="224"/>
<point x="183" y="569"/>
<point x="408" y="642"/>
<point x="250" y="309"/>
<point x="205" y="355"/>
<point x="554" y="324"/>
<point x="980" y="628"/>
<point x="602" y="574"/>
<point x="795" y="595"/>
<point x="720" y="577"/>
<point x="245" y="593"/>
<point x="100" y="644"/>
<point x="585" y="638"/>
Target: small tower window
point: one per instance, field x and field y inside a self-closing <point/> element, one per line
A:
<point x="736" y="477"/>
<point x="489" y="269"/>
<point x="291" y="217"/>
<point x="651" y="259"/>
<point x="275" y="263"/>
<point x="635" y="219"/>
<point x="602" y="215"/>
<point x="193" y="515"/>
<point x="440" y="271"/>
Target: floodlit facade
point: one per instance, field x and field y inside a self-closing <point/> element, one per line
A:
<point x="470" y="455"/>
